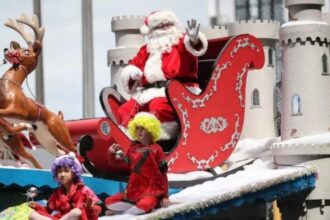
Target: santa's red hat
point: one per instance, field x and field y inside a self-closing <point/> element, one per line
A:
<point x="157" y="17"/>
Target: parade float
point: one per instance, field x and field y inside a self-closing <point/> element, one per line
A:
<point x="219" y="161"/>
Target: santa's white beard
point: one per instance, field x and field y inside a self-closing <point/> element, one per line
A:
<point x="162" y="40"/>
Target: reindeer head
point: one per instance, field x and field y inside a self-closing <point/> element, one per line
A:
<point x="25" y="57"/>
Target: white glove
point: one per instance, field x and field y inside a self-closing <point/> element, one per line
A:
<point x="114" y="148"/>
<point x="135" y="75"/>
<point x="193" y="30"/>
<point x="119" y="154"/>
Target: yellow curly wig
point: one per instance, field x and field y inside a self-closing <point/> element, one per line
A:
<point x="149" y="122"/>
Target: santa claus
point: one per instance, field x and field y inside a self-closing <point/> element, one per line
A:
<point x="170" y="52"/>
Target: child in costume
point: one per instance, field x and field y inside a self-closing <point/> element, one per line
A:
<point x="147" y="186"/>
<point x="72" y="199"/>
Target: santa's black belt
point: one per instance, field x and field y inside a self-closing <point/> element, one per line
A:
<point x="161" y="84"/>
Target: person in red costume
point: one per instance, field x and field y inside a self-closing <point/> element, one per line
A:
<point x="72" y="200"/>
<point x="147" y="187"/>
<point x="170" y="52"/>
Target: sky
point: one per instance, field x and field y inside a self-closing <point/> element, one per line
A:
<point x="62" y="43"/>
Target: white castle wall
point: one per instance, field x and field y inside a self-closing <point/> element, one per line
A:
<point x="212" y="32"/>
<point x="304" y="42"/>
<point x="128" y="42"/>
<point x="303" y="75"/>
<point x="305" y="137"/>
<point x="267" y="29"/>
<point x="259" y="120"/>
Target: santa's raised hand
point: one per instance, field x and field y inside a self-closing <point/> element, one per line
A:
<point x="192" y="31"/>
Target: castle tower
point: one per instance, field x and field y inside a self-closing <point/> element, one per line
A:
<point x="128" y="42"/>
<point x="213" y="32"/>
<point x="260" y="85"/>
<point x="305" y="107"/>
<point x="306" y="76"/>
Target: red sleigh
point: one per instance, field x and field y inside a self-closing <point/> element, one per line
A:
<point x="210" y="123"/>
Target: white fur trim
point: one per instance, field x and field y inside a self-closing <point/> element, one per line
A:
<point x="126" y="75"/>
<point x="191" y="49"/>
<point x="169" y="130"/>
<point x="161" y="16"/>
<point x="145" y="114"/>
<point x="153" y="68"/>
<point x="145" y="96"/>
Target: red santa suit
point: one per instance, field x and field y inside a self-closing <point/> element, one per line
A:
<point x="61" y="203"/>
<point x="154" y="67"/>
<point x="147" y="184"/>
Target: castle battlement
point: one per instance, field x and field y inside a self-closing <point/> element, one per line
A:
<point x="127" y="30"/>
<point x="264" y="29"/>
<point x="127" y="17"/>
<point x="267" y="21"/>
<point x="121" y="56"/>
<point x="305" y="33"/>
<point x="126" y="22"/>
<point x="307" y="41"/>
<point x="212" y="32"/>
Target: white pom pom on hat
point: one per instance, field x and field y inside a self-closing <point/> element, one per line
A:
<point x="144" y="30"/>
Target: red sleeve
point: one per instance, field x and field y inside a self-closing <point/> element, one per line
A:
<point x="87" y="213"/>
<point x="140" y="59"/>
<point x="51" y="201"/>
<point x="91" y="213"/>
<point x="41" y="209"/>
<point x="50" y="206"/>
<point x="160" y="155"/>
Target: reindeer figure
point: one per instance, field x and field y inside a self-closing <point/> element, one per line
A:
<point x="18" y="112"/>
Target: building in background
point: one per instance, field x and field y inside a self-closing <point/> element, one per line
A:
<point x="128" y="41"/>
<point x="259" y="10"/>
<point x="305" y="106"/>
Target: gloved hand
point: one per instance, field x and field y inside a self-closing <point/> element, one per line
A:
<point x="135" y="75"/>
<point x="192" y="31"/>
<point x="116" y="150"/>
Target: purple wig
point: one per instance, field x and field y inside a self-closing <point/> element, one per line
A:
<point x="69" y="161"/>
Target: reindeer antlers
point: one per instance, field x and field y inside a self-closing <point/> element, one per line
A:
<point x="33" y="23"/>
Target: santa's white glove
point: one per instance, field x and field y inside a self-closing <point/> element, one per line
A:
<point x="192" y="31"/>
<point x="135" y="75"/>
